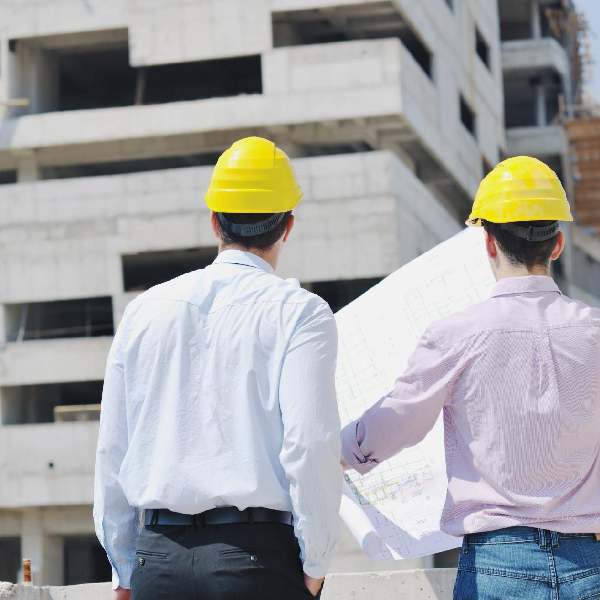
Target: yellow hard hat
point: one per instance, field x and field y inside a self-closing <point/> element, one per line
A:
<point x="521" y="188"/>
<point x="253" y="176"/>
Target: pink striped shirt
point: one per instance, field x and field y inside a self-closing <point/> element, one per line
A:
<point x="518" y="379"/>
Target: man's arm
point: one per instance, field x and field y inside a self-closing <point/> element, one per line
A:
<point x="116" y="522"/>
<point x="407" y="414"/>
<point x="310" y="454"/>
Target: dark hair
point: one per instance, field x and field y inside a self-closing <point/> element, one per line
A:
<point x="521" y="251"/>
<point x="262" y="241"/>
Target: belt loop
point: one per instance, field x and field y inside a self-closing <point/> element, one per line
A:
<point x="542" y="539"/>
<point x="154" y="520"/>
<point x="195" y="521"/>
<point x="554" y="538"/>
<point x="250" y="515"/>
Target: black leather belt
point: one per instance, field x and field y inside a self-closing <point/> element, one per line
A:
<point x="217" y="516"/>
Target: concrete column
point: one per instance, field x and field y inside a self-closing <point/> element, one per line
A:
<point x="27" y="167"/>
<point x="45" y="551"/>
<point x="541" y="116"/>
<point x="536" y="20"/>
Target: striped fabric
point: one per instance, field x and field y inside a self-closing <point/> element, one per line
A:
<point x="518" y="380"/>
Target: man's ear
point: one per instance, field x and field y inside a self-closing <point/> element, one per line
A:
<point x="490" y="245"/>
<point x="559" y="246"/>
<point x="289" y="227"/>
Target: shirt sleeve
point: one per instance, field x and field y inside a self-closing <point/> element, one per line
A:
<point x="116" y="522"/>
<point x="407" y="414"/>
<point x="310" y="453"/>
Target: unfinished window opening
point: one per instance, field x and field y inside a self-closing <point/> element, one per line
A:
<point x="129" y="166"/>
<point x="199" y="80"/>
<point x="10" y="558"/>
<point x="95" y="79"/>
<point x="91" y="70"/>
<point x="46" y="403"/>
<point x="515" y="20"/>
<point x="467" y="116"/>
<point x="146" y="269"/>
<point x="84" y="561"/>
<point x="531" y="101"/>
<point x="341" y="292"/>
<point x="349" y="22"/>
<point x="88" y="317"/>
<point x="8" y="177"/>
<point x="482" y="48"/>
<point x="331" y="149"/>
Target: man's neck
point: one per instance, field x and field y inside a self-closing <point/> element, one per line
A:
<point x="270" y="256"/>
<point x="506" y="271"/>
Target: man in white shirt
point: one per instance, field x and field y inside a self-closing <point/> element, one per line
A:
<point x="217" y="470"/>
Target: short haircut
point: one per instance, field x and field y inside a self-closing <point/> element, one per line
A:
<point x="262" y="241"/>
<point x="521" y="251"/>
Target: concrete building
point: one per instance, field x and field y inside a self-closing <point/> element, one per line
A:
<point x="392" y="110"/>
<point x="541" y="61"/>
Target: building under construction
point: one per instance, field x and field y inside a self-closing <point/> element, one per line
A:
<point x="112" y="113"/>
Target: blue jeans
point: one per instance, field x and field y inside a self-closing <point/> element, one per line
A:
<point x="522" y="563"/>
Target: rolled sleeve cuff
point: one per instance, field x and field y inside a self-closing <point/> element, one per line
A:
<point x="120" y="581"/>
<point x="316" y="570"/>
<point x="353" y="456"/>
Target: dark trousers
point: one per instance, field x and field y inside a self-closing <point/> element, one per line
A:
<point x="242" y="561"/>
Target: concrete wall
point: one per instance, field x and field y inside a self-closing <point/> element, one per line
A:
<point x="412" y="585"/>
<point x="61" y="231"/>
<point x="531" y="55"/>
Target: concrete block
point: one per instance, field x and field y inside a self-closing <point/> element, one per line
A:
<point x="427" y="584"/>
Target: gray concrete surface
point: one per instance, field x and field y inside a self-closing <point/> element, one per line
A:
<point x="423" y="584"/>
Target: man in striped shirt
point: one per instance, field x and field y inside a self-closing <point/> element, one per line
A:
<point x="518" y="380"/>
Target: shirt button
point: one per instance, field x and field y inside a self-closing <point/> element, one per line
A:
<point x="253" y="557"/>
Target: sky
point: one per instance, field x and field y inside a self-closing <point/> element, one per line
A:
<point x="591" y="9"/>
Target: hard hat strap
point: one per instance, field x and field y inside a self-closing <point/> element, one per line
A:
<point x="532" y="233"/>
<point x="250" y="229"/>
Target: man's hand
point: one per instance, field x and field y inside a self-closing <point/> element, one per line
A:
<point x="314" y="585"/>
<point x="122" y="594"/>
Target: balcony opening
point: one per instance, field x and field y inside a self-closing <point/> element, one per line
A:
<point x="341" y="292"/>
<point x="199" y="80"/>
<point x="10" y="558"/>
<point x="84" y="561"/>
<point x="95" y="79"/>
<point x="531" y="101"/>
<point x="47" y="403"/>
<point x="88" y="317"/>
<point x="8" y="177"/>
<point x="515" y="20"/>
<point x="482" y="48"/>
<point x="91" y="70"/>
<point x="129" y="166"/>
<point x="146" y="269"/>
<point x="308" y="150"/>
<point x="347" y="22"/>
<point x="467" y="116"/>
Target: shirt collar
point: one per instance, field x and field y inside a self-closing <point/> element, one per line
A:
<point x="247" y="259"/>
<point x="530" y="284"/>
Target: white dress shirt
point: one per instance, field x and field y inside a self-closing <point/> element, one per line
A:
<point x="219" y="391"/>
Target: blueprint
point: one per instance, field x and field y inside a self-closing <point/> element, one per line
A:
<point x="394" y="511"/>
